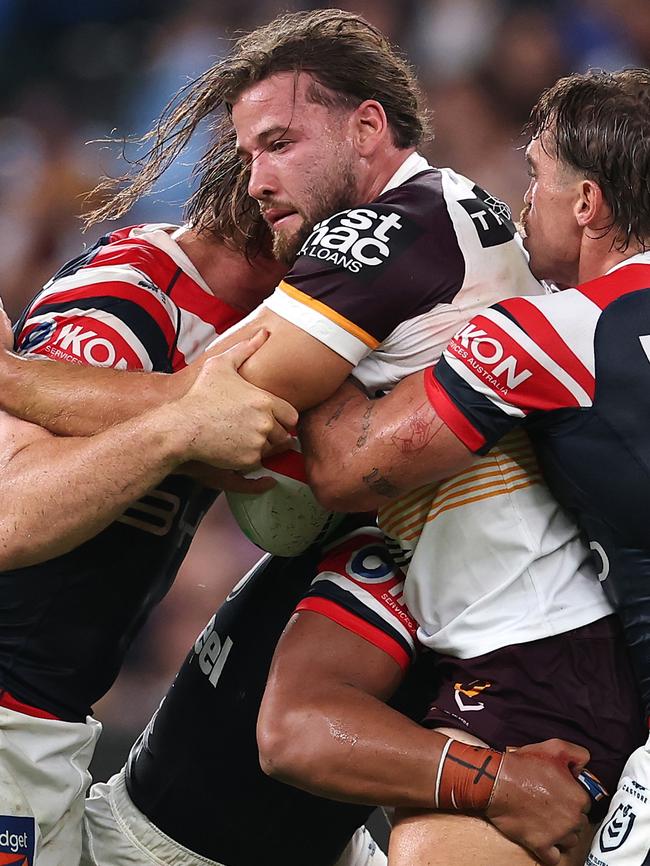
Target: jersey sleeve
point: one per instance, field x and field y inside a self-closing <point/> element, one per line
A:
<point x="106" y="316"/>
<point x="512" y="363"/>
<point x="364" y="271"/>
<point x="359" y="587"/>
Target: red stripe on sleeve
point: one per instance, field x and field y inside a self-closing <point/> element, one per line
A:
<point x="451" y="414"/>
<point x="358" y="626"/>
<point x="540" y="330"/>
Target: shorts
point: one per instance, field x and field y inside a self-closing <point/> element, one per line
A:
<point x="576" y="686"/>
<point x="115" y="831"/>
<point x="43" y="781"/>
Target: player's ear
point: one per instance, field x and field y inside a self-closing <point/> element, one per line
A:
<point x="590" y="205"/>
<point x="369" y="126"/>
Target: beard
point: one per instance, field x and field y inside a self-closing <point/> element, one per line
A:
<point x="326" y="197"/>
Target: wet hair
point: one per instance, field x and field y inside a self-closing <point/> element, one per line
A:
<point x="349" y="61"/>
<point x="598" y="124"/>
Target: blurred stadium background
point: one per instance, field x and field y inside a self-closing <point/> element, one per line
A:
<point x="76" y="71"/>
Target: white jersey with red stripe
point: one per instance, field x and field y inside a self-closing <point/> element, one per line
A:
<point x="494" y="559"/>
<point x="573" y="369"/>
<point x="134" y="301"/>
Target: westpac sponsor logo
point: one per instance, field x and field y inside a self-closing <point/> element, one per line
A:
<point x="486" y="356"/>
<point x="356" y="239"/>
<point x="17" y="840"/>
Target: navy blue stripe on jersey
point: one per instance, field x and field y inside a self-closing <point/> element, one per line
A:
<point x="144" y="326"/>
<point x="342" y="598"/>
<point x="489" y="422"/>
<point x="80" y="261"/>
<point x="68" y="268"/>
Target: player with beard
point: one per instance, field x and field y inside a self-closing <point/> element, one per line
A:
<point x="581" y="391"/>
<point x="382" y="286"/>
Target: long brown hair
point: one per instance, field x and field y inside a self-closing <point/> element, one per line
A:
<point x="349" y="60"/>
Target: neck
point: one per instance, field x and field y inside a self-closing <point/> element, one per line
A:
<point x="598" y="257"/>
<point x="229" y="276"/>
<point x="380" y="173"/>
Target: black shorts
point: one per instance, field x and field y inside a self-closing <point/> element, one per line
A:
<point x="577" y="686"/>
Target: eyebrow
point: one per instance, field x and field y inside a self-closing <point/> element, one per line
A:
<point x="265" y="138"/>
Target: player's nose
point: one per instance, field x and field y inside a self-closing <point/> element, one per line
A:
<point x="262" y="182"/>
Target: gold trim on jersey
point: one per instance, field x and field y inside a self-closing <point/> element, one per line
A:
<point x="510" y="467"/>
<point x="329" y="313"/>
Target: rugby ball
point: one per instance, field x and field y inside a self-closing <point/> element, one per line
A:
<point x="287" y="519"/>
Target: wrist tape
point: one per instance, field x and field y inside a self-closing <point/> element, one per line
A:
<point x="466" y="777"/>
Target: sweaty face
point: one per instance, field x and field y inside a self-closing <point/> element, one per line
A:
<point x="301" y="158"/>
<point x="552" y="235"/>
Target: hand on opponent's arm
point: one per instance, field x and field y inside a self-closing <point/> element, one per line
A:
<point x="324" y="727"/>
<point x="361" y="453"/>
<point x="59" y="492"/>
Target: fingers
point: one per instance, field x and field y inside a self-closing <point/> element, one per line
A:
<point x="284" y="413"/>
<point x="241" y="352"/>
<point x="549" y="856"/>
<point x="277" y="440"/>
<point x="574" y="756"/>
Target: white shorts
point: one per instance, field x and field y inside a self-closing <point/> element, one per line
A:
<point x="43" y="780"/>
<point x="623" y="839"/>
<point x="116" y="833"/>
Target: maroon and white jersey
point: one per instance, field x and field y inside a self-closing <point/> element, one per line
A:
<point x="386" y="284"/>
<point x="492" y="558"/>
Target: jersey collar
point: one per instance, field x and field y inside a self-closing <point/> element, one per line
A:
<point x="411" y="166"/>
<point x="161" y="235"/>
<point x="638" y="259"/>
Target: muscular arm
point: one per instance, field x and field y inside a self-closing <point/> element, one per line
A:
<point x="79" y="400"/>
<point x="361" y="453"/>
<point x="324" y="727"/>
<point x="57" y="493"/>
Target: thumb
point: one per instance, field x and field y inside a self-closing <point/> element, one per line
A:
<point x="574" y="756"/>
<point x="241" y="352"/>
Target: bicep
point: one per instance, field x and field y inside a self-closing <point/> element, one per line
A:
<point x="291" y="364"/>
<point x="315" y="653"/>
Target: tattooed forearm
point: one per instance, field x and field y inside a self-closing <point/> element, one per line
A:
<point x="380" y="485"/>
<point x="365" y="426"/>
<point x="334" y="417"/>
<point x="416" y="430"/>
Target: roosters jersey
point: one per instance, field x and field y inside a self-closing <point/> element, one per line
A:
<point x="573" y="369"/>
<point x="494" y="560"/>
<point x="134" y="302"/>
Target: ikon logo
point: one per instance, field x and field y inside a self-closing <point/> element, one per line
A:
<point x="486" y="350"/>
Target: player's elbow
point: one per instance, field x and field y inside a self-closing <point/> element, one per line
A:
<point x="334" y="489"/>
<point x="286" y="749"/>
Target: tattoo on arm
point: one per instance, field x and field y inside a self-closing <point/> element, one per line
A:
<point x="365" y="426"/>
<point x="417" y="430"/>
<point x="380" y="485"/>
<point x="338" y="412"/>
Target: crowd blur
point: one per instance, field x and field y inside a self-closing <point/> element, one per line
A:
<point x="79" y="73"/>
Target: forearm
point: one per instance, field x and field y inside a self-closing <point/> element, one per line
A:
<point x="362" y="453"/>
<point x="61" y="492"/>
<point x="79" y="400"/>
<point x="375" y="756"/>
